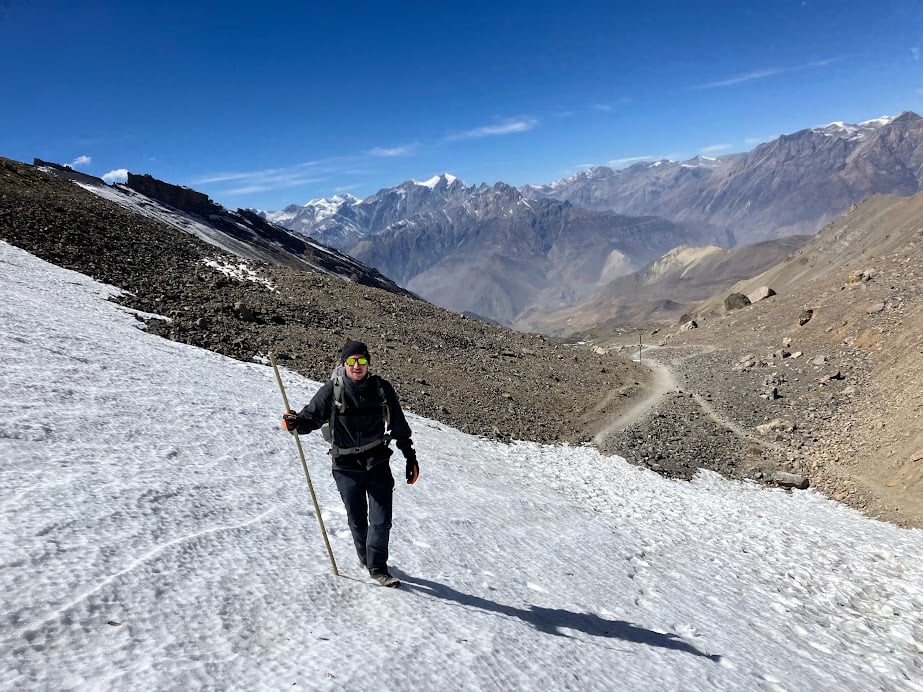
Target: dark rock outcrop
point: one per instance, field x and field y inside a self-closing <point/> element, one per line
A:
<point x="736" y="301"/>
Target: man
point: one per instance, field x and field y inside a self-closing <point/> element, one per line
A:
<point x="359" y="408"/>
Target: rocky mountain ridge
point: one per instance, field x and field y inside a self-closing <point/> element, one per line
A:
<point x="467" y="373"/>
<point x="526" y="259"/>
<point x="792" y="185"/>
<point x="242" y="233"/>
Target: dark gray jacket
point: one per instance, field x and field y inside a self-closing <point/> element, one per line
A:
<point x="361" y="422"/>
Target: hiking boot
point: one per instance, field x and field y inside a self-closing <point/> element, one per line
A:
<point x="383" y="578"/>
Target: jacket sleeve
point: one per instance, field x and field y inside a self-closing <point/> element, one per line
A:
<point x="317" y="412"/>
<point x="400" y="429"/>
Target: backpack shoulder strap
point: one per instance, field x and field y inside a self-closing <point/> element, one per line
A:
<point x="385" y="409"/>
<point x="339" y="401"/>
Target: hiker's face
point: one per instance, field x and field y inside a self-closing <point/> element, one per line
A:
<point x="356" y="370"/>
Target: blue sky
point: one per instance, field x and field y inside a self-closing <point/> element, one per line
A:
<point x="268" y="104"/>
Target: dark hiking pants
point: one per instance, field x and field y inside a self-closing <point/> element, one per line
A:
<point x="367" y="495"/>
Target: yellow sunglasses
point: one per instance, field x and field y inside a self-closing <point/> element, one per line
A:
<point x="361" y="360"/>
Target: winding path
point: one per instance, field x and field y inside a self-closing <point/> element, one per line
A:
<point x="664" y="381"/>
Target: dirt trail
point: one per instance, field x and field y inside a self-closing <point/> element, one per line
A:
<point x="663" y="382"/>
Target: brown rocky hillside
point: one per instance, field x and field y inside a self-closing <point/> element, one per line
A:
<point x="825" y="378"/>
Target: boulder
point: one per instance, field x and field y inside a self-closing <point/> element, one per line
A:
<point x="790" y="480"/>
<point x="861" y="276"/>
<point x="805" y="317"/>
<point x="735" y="301"/>
<point x="243" y="312"/>
<point x="761" y="293"/>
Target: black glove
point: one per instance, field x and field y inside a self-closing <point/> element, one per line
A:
<point x="413" y="468"/>
<point x="290" y="421"/>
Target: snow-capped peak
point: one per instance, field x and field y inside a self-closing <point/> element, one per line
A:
<point x="434" y="181"/>
<point x="345" y="198"/>
<point x="878" y="122"/>
<point x="838" y="128"/>
<point x="326" y="207"/>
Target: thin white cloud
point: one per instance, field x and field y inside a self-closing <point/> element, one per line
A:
<point x="763" y="74"/>
<point x="715" y="148"/>
<point x="603" y="107"/>
<point x="403" y="150"/>
<point x="915" y="53"/>
<point x="740" y="79"/>
<point x="81" y="161"/>
<point x="629" y="160"/>
<point x="268" y="179"/>
<point x="272" y="185"/>
<point x="265" y="175"/>
<point x="119" y="175"/>
<point x="505" y="128"/>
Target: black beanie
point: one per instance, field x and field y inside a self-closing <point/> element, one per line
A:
<point x="354" y="348"/>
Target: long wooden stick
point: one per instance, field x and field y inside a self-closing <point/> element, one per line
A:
<point x="304" y="465"/>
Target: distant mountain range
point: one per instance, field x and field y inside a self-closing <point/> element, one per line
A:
<point x="792" y="185"/>
<point x="503" y="252"/>
<point x="490" y="250"/>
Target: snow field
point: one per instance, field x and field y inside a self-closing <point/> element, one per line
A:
<point x="157" y="532"/>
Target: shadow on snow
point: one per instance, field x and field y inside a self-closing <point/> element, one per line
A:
<point x="552" y="620"/>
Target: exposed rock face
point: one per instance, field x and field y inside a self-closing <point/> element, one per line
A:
<point x="183" y="198"/>
<point x="791" y="185"/>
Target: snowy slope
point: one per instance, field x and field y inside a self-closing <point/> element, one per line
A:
<point x="157" y="533"/>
